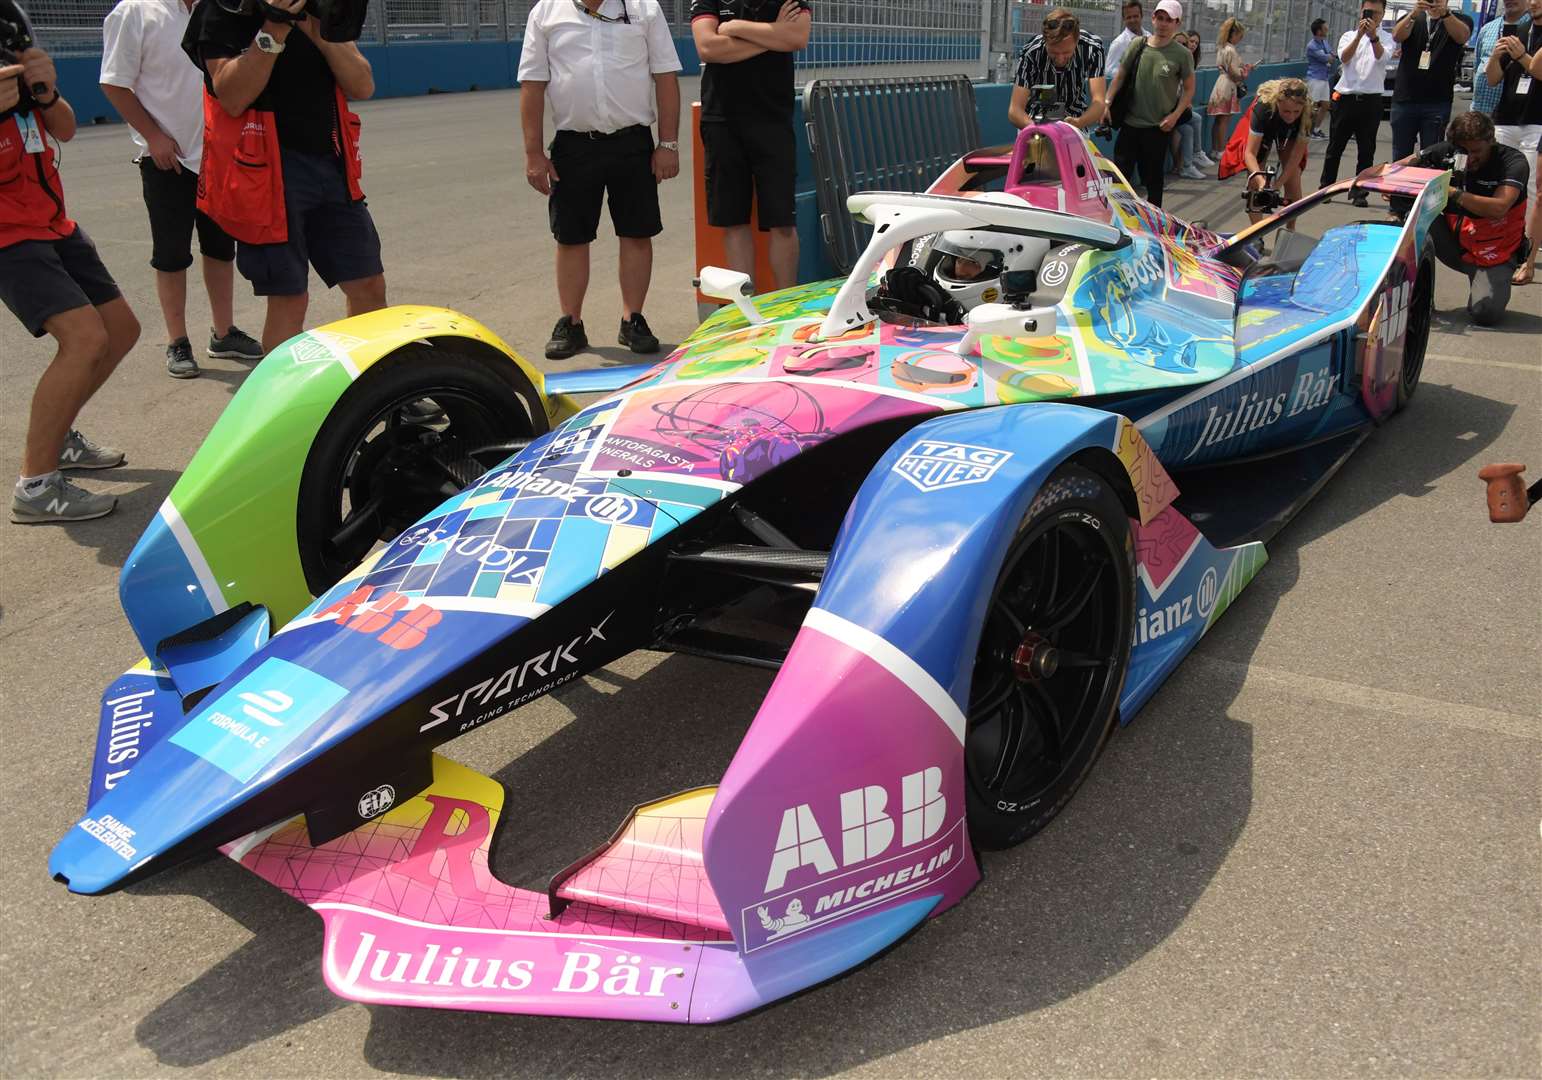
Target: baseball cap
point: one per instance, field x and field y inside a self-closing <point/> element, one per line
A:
<point x="1172" y="9"/>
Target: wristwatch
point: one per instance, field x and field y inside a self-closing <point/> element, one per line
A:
<point x="671" y="145"/>
<point x="267" y="43"/>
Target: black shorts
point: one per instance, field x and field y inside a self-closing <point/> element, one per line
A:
<point x="171" y="197"/>
<point x="617" y="168"/>
<point x="42" y="278"/>
<point x="327" y="230"/>
<point x="756" y="159"/>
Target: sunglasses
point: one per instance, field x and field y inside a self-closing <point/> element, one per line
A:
<point x="1067" y="23"/>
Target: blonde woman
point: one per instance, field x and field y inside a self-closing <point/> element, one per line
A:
<point x="1225" y="97"/>
<point x="1281" y="122"/>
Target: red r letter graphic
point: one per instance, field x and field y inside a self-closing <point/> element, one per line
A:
<point x="458" y="848"/>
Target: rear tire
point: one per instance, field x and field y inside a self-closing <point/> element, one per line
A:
<point x="1052" y="658"/>
<point x="1416" y="337"/>
<point x="383" y="458"/>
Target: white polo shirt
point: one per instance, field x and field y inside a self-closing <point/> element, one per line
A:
<point x="1366" y="73"/>
<point x="142" y="52"/>
<point x="599" y="74"/>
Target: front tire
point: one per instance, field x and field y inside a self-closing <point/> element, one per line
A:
<point x="397" y="443"/>
<point x="1052" y="658"/>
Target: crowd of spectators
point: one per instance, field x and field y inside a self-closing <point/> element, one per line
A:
<point x="245" y="138"/>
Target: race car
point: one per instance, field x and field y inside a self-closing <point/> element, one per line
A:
<point x="971" y="539"/>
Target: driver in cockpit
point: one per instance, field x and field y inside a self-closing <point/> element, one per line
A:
<point x="970" y="265"/>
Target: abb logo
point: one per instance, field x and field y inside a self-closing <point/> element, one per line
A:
<point x="355" y="612"/>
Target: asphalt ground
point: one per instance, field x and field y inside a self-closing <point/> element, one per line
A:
<point x="1314" y="853"/>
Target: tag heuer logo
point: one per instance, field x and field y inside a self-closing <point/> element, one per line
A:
<point x="932" y="466"/>
<point x="377" y="801"/>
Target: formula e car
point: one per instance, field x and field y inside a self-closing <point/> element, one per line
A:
<point x="971" y="542"/>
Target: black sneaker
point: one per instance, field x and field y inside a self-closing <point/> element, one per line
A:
<point x="1360" y="199"/>
<point x="179" y="360"/>
<point x="235" y="344"/>
<point x="567" y="338"/>
<point x="636" y="336"/>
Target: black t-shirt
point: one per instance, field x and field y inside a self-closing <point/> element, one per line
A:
<point x="1513" y="107"/>
<point x="1506" y="165"/>
<point x="1432" y="87"/>
<point x="1276" y="132"/>
<point x="759" y="88"/>
<point x="301" y="93"/>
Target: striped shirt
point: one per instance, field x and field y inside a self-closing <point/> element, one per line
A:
<point x="1035" y="69"/>
<point x="1485" y="98"/>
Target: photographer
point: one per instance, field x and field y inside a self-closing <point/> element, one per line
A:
<point x="1357" y="96"/>
<point x="53" y="281"/>
<point x="279" y="91"/>
<point x="1280" y="122"/>
<point x="1432" y="37"/>
<point x="1070" y="58"/>
<point x="1483" y="227"/>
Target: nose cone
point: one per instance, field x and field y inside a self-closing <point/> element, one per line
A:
<point x="161" y="587"/>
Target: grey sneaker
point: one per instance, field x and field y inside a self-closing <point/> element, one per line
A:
<point x="179" y="360"/>
<point x="81" y="453"/>
<point x="60" y="500"/>
<point x="237" y="344"/>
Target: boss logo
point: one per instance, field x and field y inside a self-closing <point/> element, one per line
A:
<point x="376" y="802"/>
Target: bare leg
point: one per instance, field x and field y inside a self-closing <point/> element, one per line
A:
<point x="219" y="282"/>
<point x="739" y="248"/>
<point x="636" y="271"/>
<point x="286" y="318"/>
<point x="1528" y="268"/>
<point x="784" y="256"/>
<point x="364" y="294"/>
<point x="171" y="291"/>
<point x="91" y="342"/>
<point x="572" y="279"/>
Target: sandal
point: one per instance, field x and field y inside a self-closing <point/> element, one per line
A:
<point x="1523" y="274"/>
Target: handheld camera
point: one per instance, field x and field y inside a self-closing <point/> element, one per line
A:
<point x="1044" y="104"/>
<point x="1264" y="200"/>
<point x="340" y="20"/>
<point x="15" y="39"/>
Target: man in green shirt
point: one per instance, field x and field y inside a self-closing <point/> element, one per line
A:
<point x="1163" y="87"/>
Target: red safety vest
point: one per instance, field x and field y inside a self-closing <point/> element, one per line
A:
<point x="31" y="193"/>
<point x="241" y="182"/>
<point x="1490" y="241"/>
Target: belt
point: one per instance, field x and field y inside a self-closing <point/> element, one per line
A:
<point x="634" y="129"/>
<point x="1361" y="94"/>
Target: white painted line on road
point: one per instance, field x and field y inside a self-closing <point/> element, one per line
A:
<point x="1447" y="358"/>
<point x="1254" y="677"/>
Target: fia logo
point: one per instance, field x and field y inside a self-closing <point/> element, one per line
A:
<point x="1394" y="313"/>
<point x="261" y="706"/>
<point x="378" y="801"/>
<point x="611" y="509"/>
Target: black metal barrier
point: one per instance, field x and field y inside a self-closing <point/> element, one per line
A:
<point x="881" y="134"/>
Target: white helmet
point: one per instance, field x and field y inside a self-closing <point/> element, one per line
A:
<point x="968" y="264"/>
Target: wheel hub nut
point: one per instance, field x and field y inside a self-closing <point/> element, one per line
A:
<point x="1035" y="658"/>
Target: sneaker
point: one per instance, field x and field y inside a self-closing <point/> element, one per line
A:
<point x="235" y="345"/>
<point x="81" y="453"/>
<point x="1202" y="160"/>
<point x="59" y="499"/>
<point x="1191" y="172"/>
<point x="1359" y="198"/>
<point x="567" y="338"/>
<point x="1318" y="133"/>
<point x="636" y="335"/>
<point x="179" y="360"/>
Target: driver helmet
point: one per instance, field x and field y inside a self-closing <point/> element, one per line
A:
<point x="968" y="264"/>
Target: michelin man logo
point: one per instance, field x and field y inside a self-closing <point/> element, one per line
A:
<point x="791" y="921"/>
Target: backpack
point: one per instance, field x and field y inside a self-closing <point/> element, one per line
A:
<point x="1119" y="108"/>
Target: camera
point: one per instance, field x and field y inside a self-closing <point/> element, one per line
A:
<point x="15" y="39"/>
<point x="1456" y="162"/>
<point x="1264" y="200"/>
<point x="1367" y="13"/>
<point x="340" y="20"/>
<point x="1044" y="103"/>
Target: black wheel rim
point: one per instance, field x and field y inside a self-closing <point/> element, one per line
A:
<point x="409" y="456"/>
<point x="1049" y="660"/>
<point x="1418" y="332"/>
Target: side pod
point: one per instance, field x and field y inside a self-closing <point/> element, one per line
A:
<point x="845" y="802"/>
<point x="226" y="533"/>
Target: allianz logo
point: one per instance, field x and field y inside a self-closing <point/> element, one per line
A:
<point x="1159" y="620"/>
